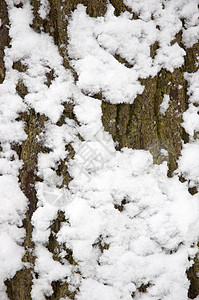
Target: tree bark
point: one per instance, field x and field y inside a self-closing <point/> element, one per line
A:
<point x="138" y="126"/>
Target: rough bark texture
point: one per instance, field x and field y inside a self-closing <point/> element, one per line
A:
<point x="139" y="126"/>
<point x="4" y="37"/>
<point x="142" y="126"/>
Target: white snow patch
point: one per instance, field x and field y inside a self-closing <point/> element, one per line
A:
<point x="189" y="162"/>
<point x="165" y="104"/>
<point x="44" y="8"/>
<point x="13" y="205"/>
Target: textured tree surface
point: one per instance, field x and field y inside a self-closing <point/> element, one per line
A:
<point x="138" y="126"/>
<point x="4" y="37"/>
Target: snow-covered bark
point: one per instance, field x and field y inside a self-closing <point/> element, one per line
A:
<point x="99" y="149"/>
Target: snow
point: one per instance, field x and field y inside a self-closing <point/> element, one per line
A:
<point x="13" y="206"/>
<point x="37" y="52"/>
<point x="154" y="223"/>
<point x="94" y="61"/>
<point x="49" y="270"/>
<point x="189" y="162"/>
<point x="191" y="116"/>
<point x="146" y="222"/>
<point x="164" y="105"/>
<point x="44" y="8"/>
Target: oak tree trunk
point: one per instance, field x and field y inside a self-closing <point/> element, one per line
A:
<point x="139" y="126"/>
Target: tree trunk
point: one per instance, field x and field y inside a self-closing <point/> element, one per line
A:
<point x="138" y="126"/>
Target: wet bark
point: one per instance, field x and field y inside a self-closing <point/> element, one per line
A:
<point x="139" y="126"/>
